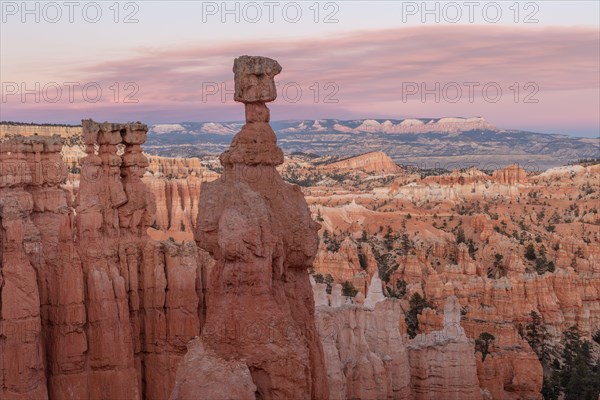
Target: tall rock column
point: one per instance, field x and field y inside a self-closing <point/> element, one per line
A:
<point x="259" y="302"/>
<point x="90" y="306"/>
<point x="111" y="366"/>
<point x="22" y="369"/>
<point x="142" y="296"/>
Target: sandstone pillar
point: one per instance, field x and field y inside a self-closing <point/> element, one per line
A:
<point x="260" y="305"/>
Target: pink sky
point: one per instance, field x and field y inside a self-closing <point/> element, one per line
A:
<point x="367" y="72"/>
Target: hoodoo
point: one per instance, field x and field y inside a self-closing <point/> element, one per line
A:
<point x="90" y="306"/>
<point x="259" y="302"/>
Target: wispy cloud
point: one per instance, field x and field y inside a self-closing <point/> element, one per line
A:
<point x="368" y="67"/>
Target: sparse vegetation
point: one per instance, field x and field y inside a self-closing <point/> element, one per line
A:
<point x="417" y="304"/>
<point x="530" y="252"/>
<point x="596" y="336"/>
<point x="576" y="376"/>
<point x="538" y="337"/>
<point x="348" y="289"/>
<point x="460" y="235"/>
<point x="483" y="343"/>
<point x="399" y="291"/>
<point x="327" y="279"/>
<point x="332" y="242"/>
<point x="498" y="269"/>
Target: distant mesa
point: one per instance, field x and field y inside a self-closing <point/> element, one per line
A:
<point x="166" y="128"/>
<point x="373" y="162"/>
<point x="411" y="125"/>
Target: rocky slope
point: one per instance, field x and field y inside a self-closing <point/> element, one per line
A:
<point x="505" y="245"/>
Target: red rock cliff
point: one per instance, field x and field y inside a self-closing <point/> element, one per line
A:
<point x="90" y="306"/>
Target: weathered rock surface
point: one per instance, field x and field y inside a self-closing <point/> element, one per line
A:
<point x="7" y="130"/>
<point x="259" y="303"/>
<point x="511" y="175"/>
<point x="175" y="184"/>
<point x="368" y="355"/>
<point x="376" y="161"/>
<point x="375" y="292"/>
<point x="206" y="376"/>
<point x="90" y="306"/>
<point x="33" y="222"/>
<point x="365" y="352"/>
<point x="442" y="363"/>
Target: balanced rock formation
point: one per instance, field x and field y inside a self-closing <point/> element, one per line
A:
<point x="259" y="302"/>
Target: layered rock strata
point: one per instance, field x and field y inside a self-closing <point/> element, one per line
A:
<point x="259" y="303"/>
<point x="90" y="306"/>
<point x="368" y="354"/>
<point x="442" y="363"/>
<point x="35" y="228"/>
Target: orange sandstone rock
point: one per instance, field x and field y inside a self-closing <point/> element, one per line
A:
<point x="259" y="304"/>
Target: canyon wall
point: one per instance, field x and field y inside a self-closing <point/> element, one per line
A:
<point x="7" y="130"/>
<point x="175" y="184"/>
<point x="33" y="210"/>
<point x="90" y="306"/>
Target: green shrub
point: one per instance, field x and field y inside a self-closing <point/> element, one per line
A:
<point x="348" y="289"/>
<point x="482" y="344"/>
<point x="417" y="305"/>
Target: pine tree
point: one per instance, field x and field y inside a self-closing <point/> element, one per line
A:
<point x="348" y="289"/>
<point x="579" y="376"/>
<point x="417" y="305"/>
<point x="530" y="252"/>
<point x="537" y="336"/>
<point x="482" y="344"/>
<point x="460" y="235"/>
